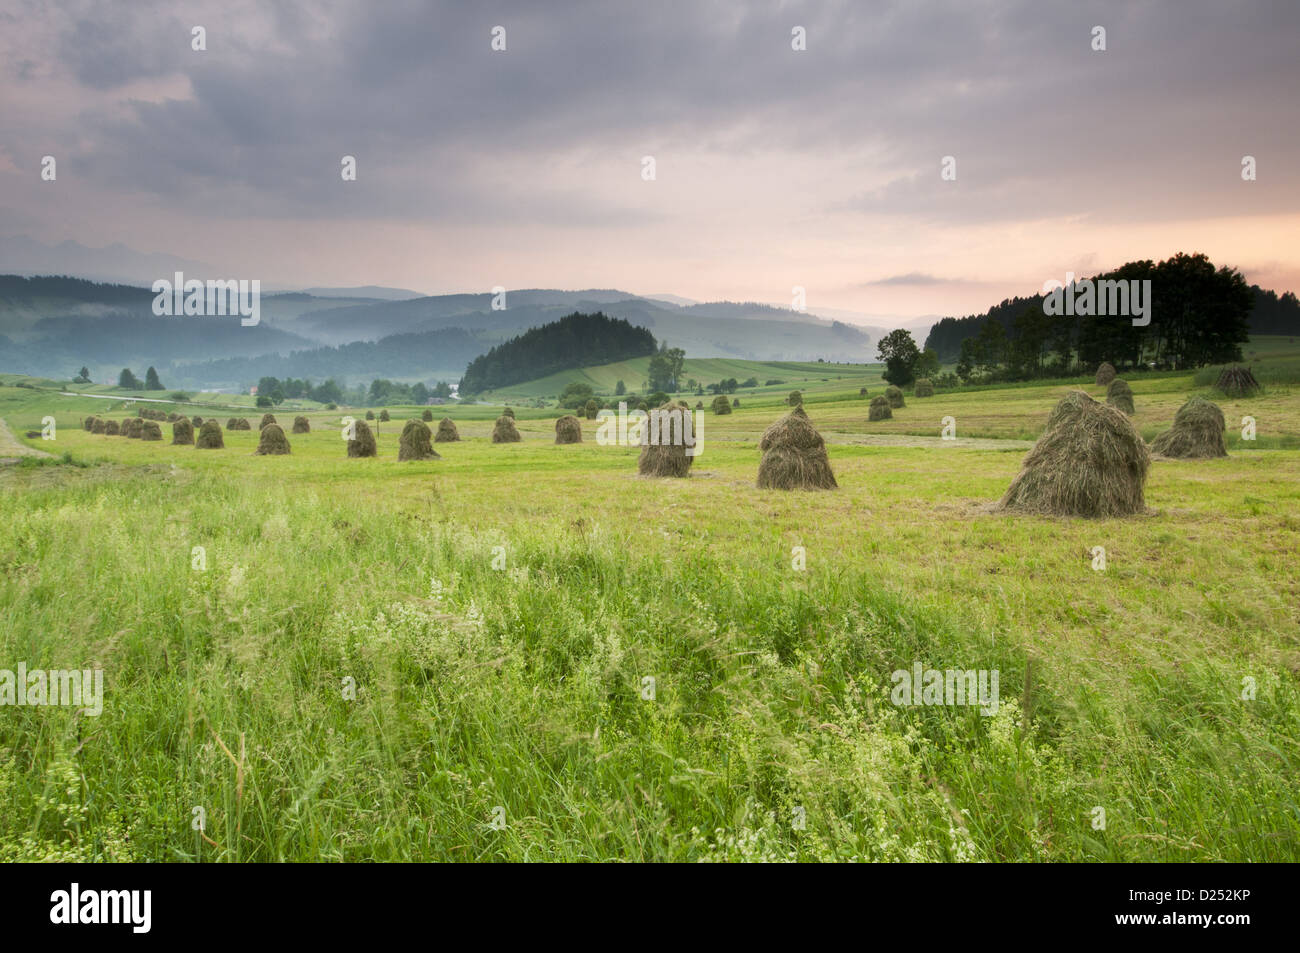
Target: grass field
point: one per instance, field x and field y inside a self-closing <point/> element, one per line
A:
<point x="500" y="610"/>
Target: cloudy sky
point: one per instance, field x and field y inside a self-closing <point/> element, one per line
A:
<point x="773" y="167"/>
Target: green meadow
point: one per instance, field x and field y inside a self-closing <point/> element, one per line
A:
<point x="527" y="652"/>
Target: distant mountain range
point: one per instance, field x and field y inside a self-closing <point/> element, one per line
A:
<point x="52" y="326"/>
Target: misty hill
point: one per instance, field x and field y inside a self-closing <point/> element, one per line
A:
<point x="571" y="342"/>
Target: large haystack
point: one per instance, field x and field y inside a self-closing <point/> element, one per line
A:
<point x="1197" y="433"/>
<point x="363" y="442"/>
<point x="150" y="430"/>
<point x="721" y="405"/>
<point x="447" y="432"/>
<point x="209" y="437"/>
<point x="667" y="457"/>
<point x="98" y="425"/>
<point x="924" y="388"/>
<point x="504" y="430"/>
<point x="416" y="442"/>
<point x="267" y="419"/>
<point x="301" y="425"/>
<point x="879" y="409"/>
<point x="568" y="429"/>
<point x="1237" y="382"/>
<point x="183" y="433"/>
<point x="895" y="396"/>
<point x="1105" y="374"/>
<point x="273" y="442"/>
<point x="133" y="427"/>
<point x="1090" y="461"/>
<point x="112" y="428"/>
<point x="1120" y="396"/>
<point x="794" y="456"/>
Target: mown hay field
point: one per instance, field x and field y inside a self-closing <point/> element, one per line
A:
<point x="501" y="609"/>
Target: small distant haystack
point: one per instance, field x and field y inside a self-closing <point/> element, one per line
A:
<point x="197" y="422"/>
<point x="182" y="433"/>
<point x="362" y="443"/>
<point x="209" y="437"/>
<point x="243" y="424"/>
<point x="1197" y="433"/>
<point x="568" y="429"/>
<point x="416" y="442"/>
<point x="98" y="425"/>
<point x="795" y="399"/>
<point x="134" y="427"/>
<point x="149" y="430"/>
<point x="301" y="425"/>
<point x="370" y="415"/>
<point x="504" y="431"/>
<point x="1090" y="461"/>
<point x="879" y="409"/>
<point x="112" y="428"/>
<point x="735" y="403"/>
<point x="721" y="405"/>
<point x="895" y="396"/>
<point x="1105" y="374"/>
<point x="89" y="424"/>
<point x="383" y="416"/>
<point x="794" y="456"/>
<point x="1120" y="396"/>
<point x="267" y="420"/>
<point x="172" y="417"/>
<point x="426" y="415"/>
<point x="508" y="412"/>
<point x="591" y="409"/>
<point x="862" y="392"/>
<point x="447" y="432"/>
<point x="667" y="457"/>
<point x="273" y="442"/>
<point x="699" y="405"/>
<point x="924" y="388"/>
<point x="231" y="424"/>
<point x="1237" y="382"/>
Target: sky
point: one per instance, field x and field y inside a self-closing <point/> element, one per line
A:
<point x="773" y="167"/>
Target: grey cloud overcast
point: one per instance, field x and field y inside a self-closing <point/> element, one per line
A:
<point x="523" y="167"/>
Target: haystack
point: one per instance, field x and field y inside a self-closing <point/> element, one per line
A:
<point x="370" y="415"/>
<point x="721" y="405"/>
<point x="416" y="442"/>
<point x="667" y="458"/>
<point x="273" y="442"/>
<point x="426" y="415"/>
<point x="568" y="429"/>
<point x="794" y="456"/>
<point x="183" y="433"/>
<point x="362" y="443"/>
<point x="504" y="430"/>
<point x="508" y="412"/>
<point x="97" y="425"/>
<point x="895" y="396"/>
<point x="1197" y="433"/>
<point x="879" y="409"/>
<point x="735" y="403"/>
<point x="862" y="392"/>
<point x="231" y="424"/>
<point x="1090" y="461"/>
<point x="150" y="430"/>
<point x="1105" y="374"/>
<point x="1120" y="396"/>
<point x="383" y="416"/>
<point x="197" y="421"/>
<point x="267" y="420"/>
<point x="591" y="409"/>
<point x="243" y="424"/>
<point x="301" y="425"/>
<point x="447" y="432"/>
<point x="89" y="423"/>
<point x="1237" y="382"/>
<point x="209" y="437"/>
<point x="133" y="427"/>
<point x="112" y="428"/>
<point x="924" y="388"/>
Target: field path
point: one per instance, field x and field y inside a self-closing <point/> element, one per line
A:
<point x="11" y="449"/>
